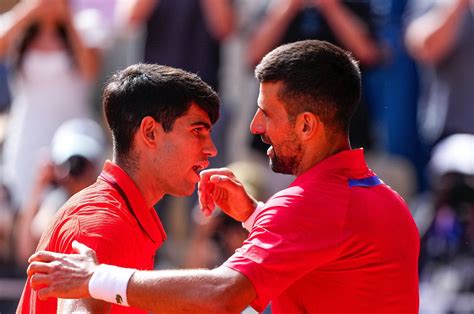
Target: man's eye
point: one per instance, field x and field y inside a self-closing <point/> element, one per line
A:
<point x="197" y="130"/>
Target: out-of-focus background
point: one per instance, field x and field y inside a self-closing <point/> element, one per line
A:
<point x="415" y="120"/>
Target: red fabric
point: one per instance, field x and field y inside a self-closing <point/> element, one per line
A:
<point x="323" y="246"/>
<point x="99" y="217"/>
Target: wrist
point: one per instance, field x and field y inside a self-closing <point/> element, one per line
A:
<point x="109" y="283"/>
<point x="248" y="223"/>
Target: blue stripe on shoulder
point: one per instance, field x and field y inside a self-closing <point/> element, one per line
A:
<point x="365" y="182"/>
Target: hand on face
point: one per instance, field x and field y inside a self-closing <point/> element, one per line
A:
<point x="62" y="275"/>
<point x="220" y="187"/>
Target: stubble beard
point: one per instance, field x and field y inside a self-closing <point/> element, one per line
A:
<point x="290" y="163"/>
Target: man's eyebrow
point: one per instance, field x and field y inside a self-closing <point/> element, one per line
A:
<point x="201" y="123"/>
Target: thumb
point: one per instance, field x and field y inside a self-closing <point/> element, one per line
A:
<point x="82" y="249"/>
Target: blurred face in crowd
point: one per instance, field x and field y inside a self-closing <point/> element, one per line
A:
<point x="183" y="152"/>
<point x="272" y="123"/>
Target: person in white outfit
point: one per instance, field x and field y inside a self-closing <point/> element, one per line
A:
<point x="51" y="74"/>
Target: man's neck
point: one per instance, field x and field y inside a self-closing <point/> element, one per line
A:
<point x="317" y="154"/>
<point x="141" y="178"/>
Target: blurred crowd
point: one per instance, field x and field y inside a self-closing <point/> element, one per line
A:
<point x="415" y="120"/>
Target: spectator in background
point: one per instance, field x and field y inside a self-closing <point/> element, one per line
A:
<point x="6" y="229"/>
<point x="392" y="92"/>
<point x="5" y="5"/>
<point x="185" y="34"/>
<point x="447" y="228"/>
<point x="52" y="70"/>
<point x="77" y="152"/>
<point x="348" y="24"/>
<point x="440" y="35"/>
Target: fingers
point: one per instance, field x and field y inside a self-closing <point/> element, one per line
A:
<point x="83" y="249"/>
<point x="38" y="281"/>
<point x="223" y="171"/>
<point x="223" y="181"/>
<point x="206" y="202"/>
<point x="44" y="294"/>
<point x="222" y="178"/>
<point x="38" y="267"/>
<point x="44" y="256"/>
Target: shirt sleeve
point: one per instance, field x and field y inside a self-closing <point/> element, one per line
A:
<point x="289" y="239"/>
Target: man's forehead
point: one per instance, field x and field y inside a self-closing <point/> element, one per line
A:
<point x="268" y="96"/>
<point x="196" y="114"/>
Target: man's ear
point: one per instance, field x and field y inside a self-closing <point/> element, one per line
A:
<point x="148" y="131"/>
<point x="308" y="125"/>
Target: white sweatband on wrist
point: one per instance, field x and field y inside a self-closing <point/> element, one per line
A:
<point x="248" y="224"/>
<point x="109" y="283"/>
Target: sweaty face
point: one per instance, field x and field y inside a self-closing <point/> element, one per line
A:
<point x="184" y="152"/>
<point x="272" y="124"/>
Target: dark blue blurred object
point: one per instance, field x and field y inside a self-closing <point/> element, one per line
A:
<point x="4" y="91"/>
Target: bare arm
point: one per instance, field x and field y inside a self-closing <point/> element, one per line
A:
<point x="135" y="12"/>
<point x="220" y="290"/>
<point x="272" y="29"/>
<point x="88" y="59"/>
<point x="82" y="306"/>
<point x="432" y="36"/>
<point x="350" y="30"/>
<point x="15" y="21"/>
<point x="219" y="16"/>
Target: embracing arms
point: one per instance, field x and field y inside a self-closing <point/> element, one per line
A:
<point x="220" y="290"/>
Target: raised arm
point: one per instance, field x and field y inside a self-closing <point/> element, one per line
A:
<point x="272" y="29"/>
<point x="135" y="12"/>
<point x="350" y="30"/>
<point x="219" y="16"/>
<point x="220" y="290"/>
<point x="88" y="58"/>
<point x="15" y="21"/>
<point x="432" y="36"/>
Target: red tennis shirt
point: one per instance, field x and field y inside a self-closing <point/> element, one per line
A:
<point x="110" y="217"/>
<point x="337" y="240"/>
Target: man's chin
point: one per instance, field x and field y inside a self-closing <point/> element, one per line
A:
<point x="185" y="191"/>
<point x="278" y="168"/>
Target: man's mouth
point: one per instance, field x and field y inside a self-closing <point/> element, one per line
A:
<point x="199" y="167"/>
<point x="265" y="139"/>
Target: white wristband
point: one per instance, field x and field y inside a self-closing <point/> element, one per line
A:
<point x="248" y="224"/>
<point x="109" y="283"/>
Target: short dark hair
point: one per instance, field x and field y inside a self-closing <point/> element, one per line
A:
<point x="158" y="91"/>
<point x="317" y="77"/>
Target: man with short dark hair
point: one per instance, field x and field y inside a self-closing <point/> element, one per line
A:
<point x="157" y="115"/>
<point x="337" y="240"/>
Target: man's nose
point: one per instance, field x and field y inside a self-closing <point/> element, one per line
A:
<point x="256" y="126"/>
<point x="209" y="148"/>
